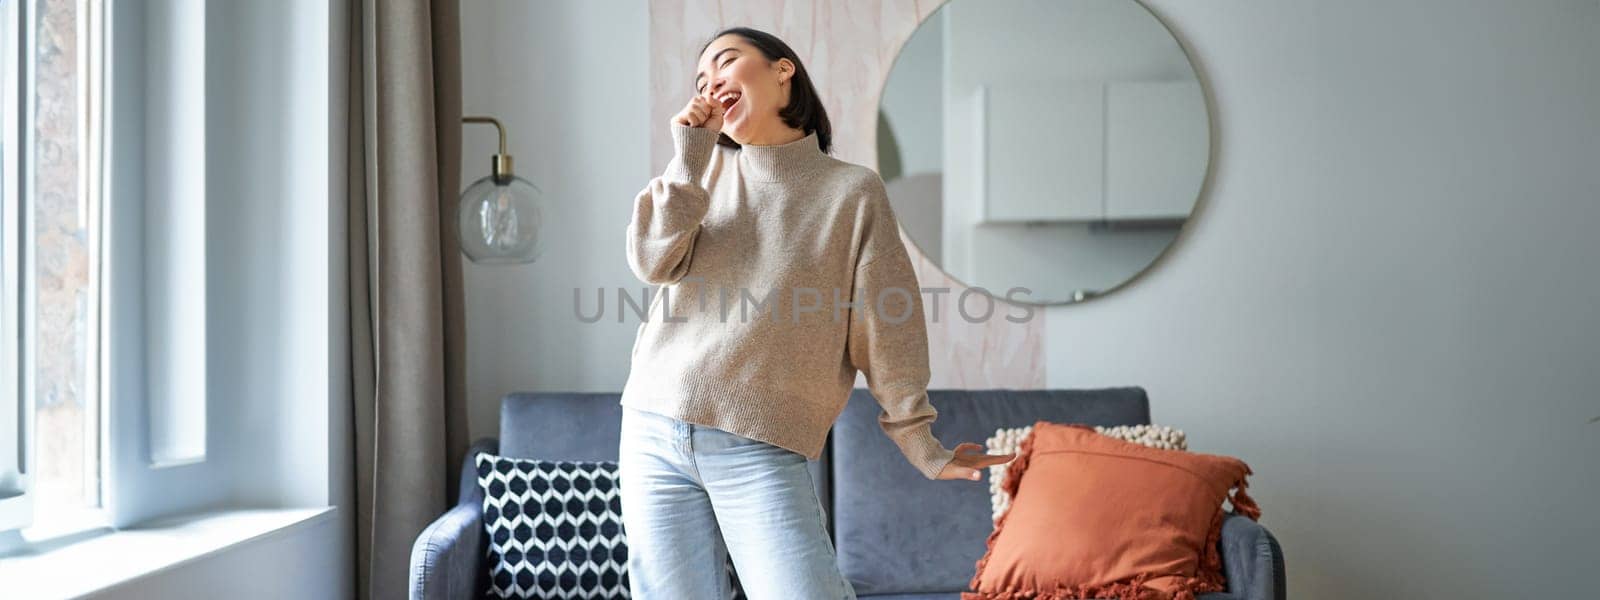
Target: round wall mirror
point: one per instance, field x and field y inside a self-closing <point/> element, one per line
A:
<point x="1053" y="145"/>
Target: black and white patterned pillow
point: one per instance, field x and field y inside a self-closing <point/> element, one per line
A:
<point x="555" y="529"/>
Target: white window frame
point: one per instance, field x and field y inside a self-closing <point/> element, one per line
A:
<point x="16" y="431"/>
<point x="21" y="42"/>
<point x="152" y="320"/>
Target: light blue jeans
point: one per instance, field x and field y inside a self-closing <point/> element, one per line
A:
<point x="694" y="495"/>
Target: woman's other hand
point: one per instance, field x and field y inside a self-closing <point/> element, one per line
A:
<point x="700" y="112"/>
<point x="970" y="461"/>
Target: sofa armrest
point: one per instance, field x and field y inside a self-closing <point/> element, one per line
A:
<point x="1252" y="560"/>
<point x="446" y="558"/>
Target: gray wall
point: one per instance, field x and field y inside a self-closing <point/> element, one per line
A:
<point x="1385" y="303"/>
<point x="569" y="80"/>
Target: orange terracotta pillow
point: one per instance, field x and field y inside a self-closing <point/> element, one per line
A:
<point x="1096" y="517"/>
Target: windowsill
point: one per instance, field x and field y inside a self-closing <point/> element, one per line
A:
<point x="119" y="556"/>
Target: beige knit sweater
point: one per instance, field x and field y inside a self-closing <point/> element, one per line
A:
<point x="758" y="253"/>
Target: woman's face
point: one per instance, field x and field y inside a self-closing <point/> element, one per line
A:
<point x="750" y="88"/>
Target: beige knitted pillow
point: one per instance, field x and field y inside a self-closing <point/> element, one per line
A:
<point x="1006" y="441"/>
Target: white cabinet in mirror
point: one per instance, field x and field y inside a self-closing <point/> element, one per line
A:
<point x="1058" y="146"/>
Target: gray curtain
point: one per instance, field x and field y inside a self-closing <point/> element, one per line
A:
<point x="407" y="326"/>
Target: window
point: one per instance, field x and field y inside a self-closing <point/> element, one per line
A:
<point x="63" y="292"/>
<point x="145" y="275"/>
<point x="51" y="234"/>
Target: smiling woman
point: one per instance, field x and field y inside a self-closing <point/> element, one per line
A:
<point x="734" y="410"/>
<point x="752" y="76"/>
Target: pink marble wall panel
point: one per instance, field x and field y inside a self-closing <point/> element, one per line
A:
<point x="848" y="47"/>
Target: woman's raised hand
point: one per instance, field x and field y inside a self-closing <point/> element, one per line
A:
<point x="700" y="112"/>
<point x="970" y="461"/>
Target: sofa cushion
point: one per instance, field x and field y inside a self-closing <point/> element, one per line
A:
<point x="1007" y="440"/>
<point x="897" y="532"/>
<point x="957" y="596"/>
<point x="1093" y="516"/>
<point x="554" y="528"/>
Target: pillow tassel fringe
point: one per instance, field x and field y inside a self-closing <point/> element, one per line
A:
<point x="1241" y="500"/>
<point x="1013" y="477"/>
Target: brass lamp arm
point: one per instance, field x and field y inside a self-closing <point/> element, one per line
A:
<point x="502" y="161"/>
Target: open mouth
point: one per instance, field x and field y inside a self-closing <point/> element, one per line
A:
<point x="729" y="102"/>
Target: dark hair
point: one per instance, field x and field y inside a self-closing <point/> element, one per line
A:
<point x="804" y="111"/>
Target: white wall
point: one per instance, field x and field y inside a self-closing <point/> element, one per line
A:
<point x="1385" y="303"/>
<point x="269" y="160"/>
<point x="569" y="81"/>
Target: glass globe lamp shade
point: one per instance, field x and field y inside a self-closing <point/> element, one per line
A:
<point x="501" y="221"/>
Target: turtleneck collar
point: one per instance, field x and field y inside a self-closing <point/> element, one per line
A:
<point x="782" y="162"/>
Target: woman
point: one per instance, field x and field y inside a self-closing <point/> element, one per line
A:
<point x="781" y="274"/>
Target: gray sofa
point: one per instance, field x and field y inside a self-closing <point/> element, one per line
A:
<point x="898" y="535"/>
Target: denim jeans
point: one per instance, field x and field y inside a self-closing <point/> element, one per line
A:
<point x="767" y="516"/>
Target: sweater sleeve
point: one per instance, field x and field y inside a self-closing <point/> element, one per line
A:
<point x="888" y="338"/>
<point x="668" y="211"/>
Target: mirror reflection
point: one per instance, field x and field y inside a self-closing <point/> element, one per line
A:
<point x="1057" y="145"/>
